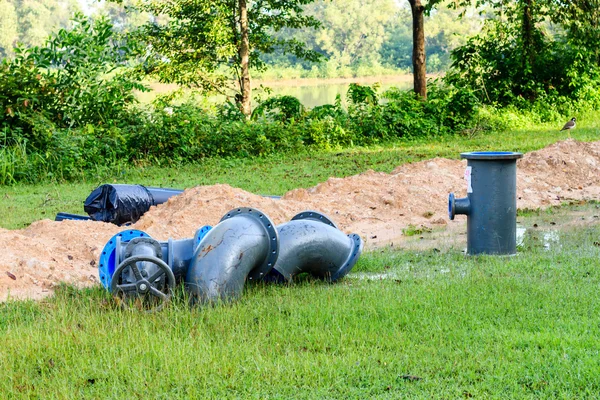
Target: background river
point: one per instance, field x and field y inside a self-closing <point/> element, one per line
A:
<point x="310" y="92"/>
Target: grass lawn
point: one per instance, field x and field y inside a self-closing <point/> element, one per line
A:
<point x="405" y="324"/>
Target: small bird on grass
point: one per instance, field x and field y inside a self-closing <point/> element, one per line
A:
<point x="569" y="125"/>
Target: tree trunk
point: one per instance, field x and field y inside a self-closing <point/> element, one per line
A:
<point x="527" y="28"/>
<point x="418" y="56"/>
<point x="244" y="53"/>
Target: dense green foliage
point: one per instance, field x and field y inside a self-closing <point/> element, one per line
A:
<point x="69" y="107"/>
<point x="69" y="111"/>
<point x="199" y="44"/>
<point x="358" y="37"/>
<point x="72" y="81"/>
<point x="64" y="104"/>
<point x="30" y="22"/>
<point x="184" y="133"/>
<point x="535" y="58"/>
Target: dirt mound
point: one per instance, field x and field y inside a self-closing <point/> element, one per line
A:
<point x="564" y="171"/>
<point x="377" y="206"/>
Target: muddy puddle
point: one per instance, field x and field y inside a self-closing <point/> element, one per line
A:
<point x="544" y="229"/>
<point x="552" y="229"/>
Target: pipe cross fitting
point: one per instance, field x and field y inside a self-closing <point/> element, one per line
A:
<point x="491" y="202"/>
<point x="244" y="245"/>
<point x="312" y="243"/>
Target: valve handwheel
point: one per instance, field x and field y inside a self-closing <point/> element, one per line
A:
<point x="146" y="288"/>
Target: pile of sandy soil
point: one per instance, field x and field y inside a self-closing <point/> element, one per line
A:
<point x="376" y="205"/>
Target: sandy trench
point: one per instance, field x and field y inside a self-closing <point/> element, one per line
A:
<point x="375" y="205"/>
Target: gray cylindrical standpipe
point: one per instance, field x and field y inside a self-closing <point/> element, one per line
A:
<point x="244" y="245"/>
<point x="491" y="202"/>
<point x="311" y="243"/>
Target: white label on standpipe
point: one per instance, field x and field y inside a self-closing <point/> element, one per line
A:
<point x="468" y="179"/>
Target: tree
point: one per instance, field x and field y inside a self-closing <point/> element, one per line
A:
<point x="419" y="9"/>
<point x="8" y="28"/>
<point x="581" y="19"/>
<point x="30" y="22"/>
<point x="351" y="31"/>
<point x="518" y="60"/>
<point x="204" y="43"/>
<point x="418" y="54"/>
<point x="445" y="32"/>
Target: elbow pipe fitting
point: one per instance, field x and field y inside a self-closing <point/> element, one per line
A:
<point x="312" y="243"/>
<point x="244" y="245"/>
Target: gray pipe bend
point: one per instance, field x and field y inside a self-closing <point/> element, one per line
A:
<point x="244" y="245"/>
<point x="310" y="245"/>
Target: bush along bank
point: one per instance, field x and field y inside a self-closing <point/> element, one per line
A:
<point x="36" y="148"/>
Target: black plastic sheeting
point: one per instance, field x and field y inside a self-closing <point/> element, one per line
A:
<point x="121" y="204"/>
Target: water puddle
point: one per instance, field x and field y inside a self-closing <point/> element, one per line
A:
<point x="398" y="274"/>
<point x="549" y="239"/>
<point x="548" y="229"/>
<point x="520" y="235"/>
<point x="371" y="276"/>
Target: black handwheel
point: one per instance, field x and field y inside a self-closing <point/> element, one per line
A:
<point x="148" y="290"/>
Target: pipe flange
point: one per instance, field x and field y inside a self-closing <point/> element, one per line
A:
<point x="261" y="271"/>
<point x="451" y="206"/>
<point x="316" y="216"/>
<point x="199" y="235"/>
<point x="133" y="243"/>
<point x="106" y="264"/>
<point x="357" y="246"/>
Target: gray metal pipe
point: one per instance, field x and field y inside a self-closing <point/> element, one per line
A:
<point x="311" y="243"/>
<point x="491" y="202"/>
<point x="243" y="246"/>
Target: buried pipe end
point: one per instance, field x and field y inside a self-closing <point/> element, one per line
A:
<point x="262" y="270"/>
<point x="357" y="247"/>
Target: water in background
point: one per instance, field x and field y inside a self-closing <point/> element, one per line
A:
<point x="311" y="93"/>
<point x="317" y="95"/>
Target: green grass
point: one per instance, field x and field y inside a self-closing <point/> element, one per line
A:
<point x="23" y="204"/>
<point x="407" y="324"/>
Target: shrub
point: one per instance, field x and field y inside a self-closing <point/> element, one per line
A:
<point x="552" y="80"/>
<point x="76" y="78"/>
<point x="279" y="108"/>
<point x="172" y="134"/>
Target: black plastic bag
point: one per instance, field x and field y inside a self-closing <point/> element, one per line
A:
<point x="120" y="204"/>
